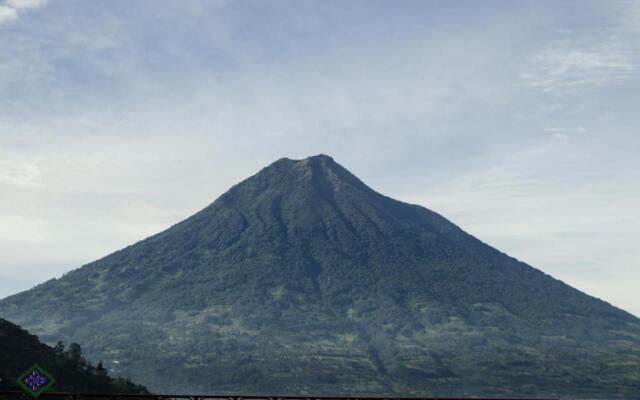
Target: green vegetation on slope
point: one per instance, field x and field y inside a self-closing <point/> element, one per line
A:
<point x="19" y="350"/>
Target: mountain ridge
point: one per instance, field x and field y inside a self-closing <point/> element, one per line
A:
<point x="302" y="279"/>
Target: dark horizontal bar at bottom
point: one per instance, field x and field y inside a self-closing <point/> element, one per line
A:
<point x="9" y="395"/>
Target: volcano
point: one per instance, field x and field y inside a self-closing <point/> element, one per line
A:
<point x="303" y="280"/>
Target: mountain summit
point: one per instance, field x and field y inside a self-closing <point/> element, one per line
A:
<point x="302" y="279"/>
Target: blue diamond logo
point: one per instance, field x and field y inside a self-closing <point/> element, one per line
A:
<point x="35" y="380"/>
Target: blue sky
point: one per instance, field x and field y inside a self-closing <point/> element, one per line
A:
<point x="516" y="120"/>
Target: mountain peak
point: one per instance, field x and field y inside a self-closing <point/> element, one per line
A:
<point x="317" y="158"/>
<point x="316" y="176"/>
<point x="322" y="161"/>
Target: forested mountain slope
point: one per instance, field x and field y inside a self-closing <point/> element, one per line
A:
<point x="301" y="279"/>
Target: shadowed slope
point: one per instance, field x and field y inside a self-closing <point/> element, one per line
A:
<point x="19" y="350"/>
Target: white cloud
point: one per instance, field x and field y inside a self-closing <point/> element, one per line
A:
<point x="560" y="136"/>
<point x="7" y="13"/>
<point x="10" y="8"/>
<point x="25" y="4"/>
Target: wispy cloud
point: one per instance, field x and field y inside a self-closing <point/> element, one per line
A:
<point x="566" y="67"/>
<point x="10" y="9"/>
<point x="565" y="133"/>
<point x="20" y="174"/>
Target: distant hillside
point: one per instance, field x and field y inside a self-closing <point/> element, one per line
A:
<point x="19" y="350"/>
<point x="302" y="279"/>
